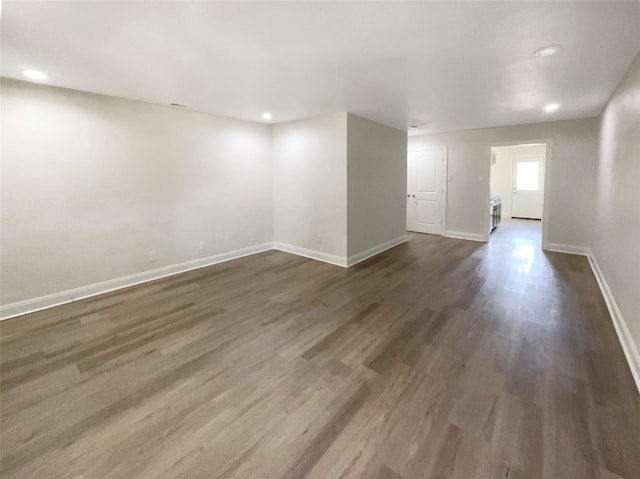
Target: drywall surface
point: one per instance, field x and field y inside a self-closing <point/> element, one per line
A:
<point x="310" y="185"/>
<point x="502" y="171"/>
<point x="616" y="226"/>
<point x="92" y="184"/>
<point x="377" y="184"/>
<point x="572" y="174"/>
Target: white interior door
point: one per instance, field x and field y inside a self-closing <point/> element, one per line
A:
<point x="528" y="187"/>
<point x="426" y="191"/>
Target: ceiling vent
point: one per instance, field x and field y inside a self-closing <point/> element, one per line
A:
<point x="416" y="125"/>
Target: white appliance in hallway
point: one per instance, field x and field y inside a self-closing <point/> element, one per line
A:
<point x="426" y="191"/>
<point x="528" y="187"/>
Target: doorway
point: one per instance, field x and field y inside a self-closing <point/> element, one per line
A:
<point x="426" y="191"/>
<point x="517" y="181"/>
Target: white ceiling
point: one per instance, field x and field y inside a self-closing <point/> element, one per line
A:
<point x="457" y="65"/>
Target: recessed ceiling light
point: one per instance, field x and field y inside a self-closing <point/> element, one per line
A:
<point x="547" y="51"/>
<point x="267" y="116"/>
<point x="34" y="74"/>
<point x="551" y="107"/>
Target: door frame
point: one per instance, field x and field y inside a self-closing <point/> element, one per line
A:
<point x="445" y="172"/>
<point x="548" y="158"/>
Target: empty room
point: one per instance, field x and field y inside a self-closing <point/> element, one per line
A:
<point x="324" y="240"/>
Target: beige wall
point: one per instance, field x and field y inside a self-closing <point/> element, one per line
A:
<point x="377" y="184"/>
<point x="501" y="182"/>
<point x="310" y="185"/>
<point x="339" y="186"/>
<point x="91" y="184"/>
<point x="616" y="226"/>
<point x="572" y="175"/>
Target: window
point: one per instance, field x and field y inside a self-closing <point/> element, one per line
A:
<point x="527" y="175"/>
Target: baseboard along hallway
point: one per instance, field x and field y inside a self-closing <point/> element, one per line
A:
<point x="482" y="360"/>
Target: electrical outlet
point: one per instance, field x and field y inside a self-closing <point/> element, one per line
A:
<point x="201" y="245"/>
<point x="153" y="256"/>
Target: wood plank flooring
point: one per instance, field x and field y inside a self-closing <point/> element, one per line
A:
<point x="439" y="358"/>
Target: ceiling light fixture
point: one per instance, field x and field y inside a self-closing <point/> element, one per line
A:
<point x="551" y="107"/>
<point x="34" y="74"/>
<point x="267" y="116"/>
<point x="547" y="51"/>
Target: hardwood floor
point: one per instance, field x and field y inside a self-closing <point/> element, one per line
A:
<point x="439" y="358"/>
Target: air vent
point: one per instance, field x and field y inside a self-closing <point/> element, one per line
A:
<point x="416" y="125"/>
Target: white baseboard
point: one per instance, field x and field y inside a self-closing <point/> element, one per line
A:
<point x="368" y="253"/>
<point x="32" y="305"/>
<point x="313" y="254"/>
<point x="465" y="236"/>
<point x="567" y="248"/>
<point x="624" y="335"/>
<point x="43" y="302"/>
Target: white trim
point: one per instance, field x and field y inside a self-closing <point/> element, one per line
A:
<point x="32" y="305"/>
<point x="445" y="197"/>
<point x="313" y="254"/>
<point x="43" y="302"/>
<point x="465" y="236"/>
<point x="368" y="253"/>
<point x="624" y="335"/>
<point x="567" y="248"/>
